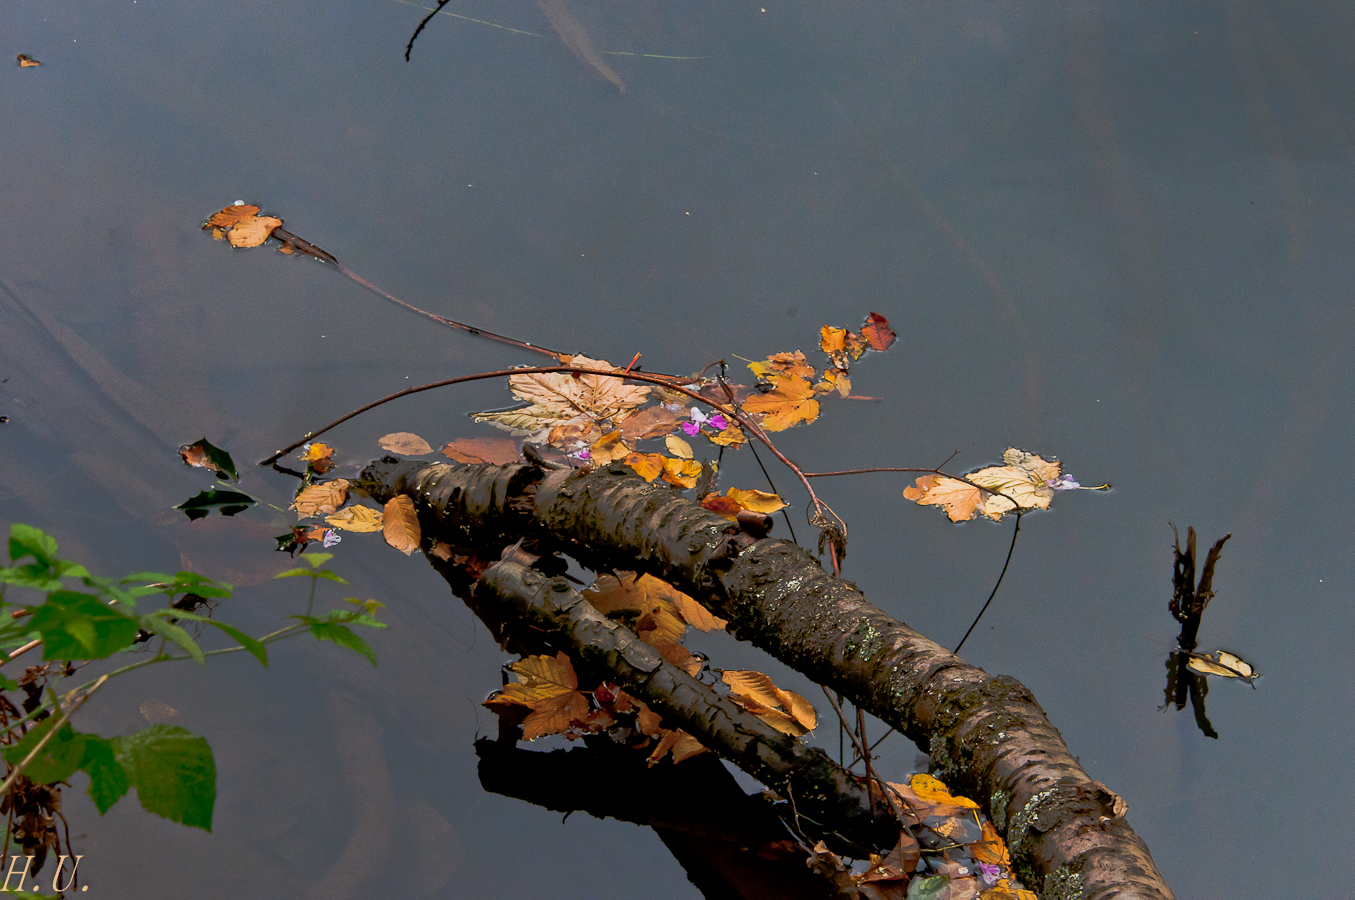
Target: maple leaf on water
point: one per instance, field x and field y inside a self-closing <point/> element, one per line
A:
<point x="789" y="402"/>
<point x="1026" y="482"/>
<point x="242" y="225"/>
<point x="319" y="457"/>
<point x="786" y="711"/>
<point x="549" y="688"/>
<point x="567" y="400"/>
<point x="779" y="364"/>
<point x="877" y="332"/>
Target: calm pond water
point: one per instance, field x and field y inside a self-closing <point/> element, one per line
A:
<point x="1114" y="233"/>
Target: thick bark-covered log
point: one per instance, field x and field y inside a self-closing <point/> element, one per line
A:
<point x="1066" y="831"/>
<point x="823" y="792"/>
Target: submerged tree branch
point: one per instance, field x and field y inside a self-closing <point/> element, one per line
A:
<point x="987" y="734"/>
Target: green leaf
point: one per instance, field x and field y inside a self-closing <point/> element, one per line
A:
<point x="80" y="626"/>
<point x="321" y="573"/>
<point x="157" y="624"/>
<point x="172" y="771"/>
<point x="203" y="454"/>
<point x="255" y="647"/>
<point x="179" y="583"/>
<point x="57" y="760"/>
<point x="344" y="637"/>
<point x="227" y="502"/>
<point x="7" y="684"/>
<point x="25" y="540"/>
<point x="315" y="560"/>
<point x="110" y="589"/>
<point x="108" y="780"/>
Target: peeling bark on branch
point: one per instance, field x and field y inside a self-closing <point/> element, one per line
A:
<point x="987" y="733"/>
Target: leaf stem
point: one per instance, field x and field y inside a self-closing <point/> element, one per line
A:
<point x="1015" y="532"/>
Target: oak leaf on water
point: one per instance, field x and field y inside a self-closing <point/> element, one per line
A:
<point x="786" y="711"/>
<point x="400" y="524"/>
<point x="789" y="402"/>
<point x="549" y="688"/>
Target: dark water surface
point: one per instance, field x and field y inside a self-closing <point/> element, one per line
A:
<point x="1119" y="234"/>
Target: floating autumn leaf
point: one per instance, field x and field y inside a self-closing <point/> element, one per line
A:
<point x="499" y="451"/>
<point x="789" y="402"/>
<point x="682" y="473"/>
<point x="990" y="848"/>
<point x="681" y="657"/>
<point x="650" y="422"/>
<point x="608" y="448"/>
<point x="723" y="506"/>
<point x="321" y="499"/>
<point x="548" y="687"/>
<point x="27" y="61"/>
<point x="935" y="792"/>
<point x="779" y="364"/>
<point x="647" y="465"/>
<point x="786" y="711"/>
<point x="757" y="501"/>
<point x="1026" y="482"/>
<point x="320" y="458"/>
<point x="841" y="344"/>
<point x="203" y="454"/>
<point x="834" y="380"/>
<point x="681" y="744"/>
<point x="877" y="333"/>
<point x="1223" y="664"/>
<point x="404" y="444"/>
<point x="678" y="447"/>
<point x="400" y="524"/>
<point x="655" y="605"/>
<point x="242" y="225"/>
<point x="732" y="436"/>
<point x="1005" y="890"/>
<point x="560" y="397"/>
<point x="357" y="518"/>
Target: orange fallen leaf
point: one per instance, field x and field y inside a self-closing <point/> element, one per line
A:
<point x="656" y="605"/>
<point x="723" y="506"/>
<point x="682" y="473"/>
<point x="832" y="340"/>
<point x="681" y="657"/>
<point x="757" y="501"/>
<point x="548" y="687"/>
<point x="732" y="436"/>
<point x="1026" y="482"/>
<point x="500" y="451"/>
<point x="242" y="225"/>
<point x="877" y="332"/>
<point x="681" y="744"/>
<point x="647" y="465"/>
<point x="323" y="498"/>
<point x="320" y="458"/>
<point x="990" y="848"/>
<point x="25" y="62"/>
<point x="608" y="448"/>
<point x="935" y="791"/>
<point x="786" y="711"/>
<point x="400" y="525"/>
<point x="792" y="364"/>
<point x="405" y="444"/>
<point x="790" y="402"/>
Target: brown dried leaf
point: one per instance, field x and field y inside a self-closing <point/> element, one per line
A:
<point x="696" y="615"/>
<point x="549" y="688"/>
<point x="655" y="602"/>
<point x="595" y="396"/>
<point x="959" y="500"/>
<point x="403" y="443"/>
<point x="26" y="62"/>
<point x="877" y="332"/>
<point x="778" y="364"/>
<point x="784" y="710"/>
<point x="321" y="499"/>
<point x="650" y="422"/>
<point x="401" y="524"/>
<point x="608" y="448"/>
<point x="253" y="232"/>
<point x="473" y="451"/>
<point x="681" y="657"/>
<point x="732" y="436"/>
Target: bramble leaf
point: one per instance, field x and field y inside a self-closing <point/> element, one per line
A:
<point x="173" y="772"/>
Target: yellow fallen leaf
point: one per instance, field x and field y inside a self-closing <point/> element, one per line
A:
<point x="990" y="848"/>
<point x="400" y="525"/>
<point x="681" y="472"/>
<point x="757" y="501"/>
<point x="732" y="436"/>
<point x="654" y="604"/>
<point x="357" y="518"/>
<point x="959" y="500"/>
<point x="789" y="402"/>
<point x="696" y="615"/>
<point x="1223" y="663"/>
<point x="777" y="364"/>
<point x="786" y="711"/>
<point x="678" y="447"/>
<point x="934" y="791"/>
<point x="1025" y="482"/>
<point x="647" y="465"/>
<point x="323" y="498"/>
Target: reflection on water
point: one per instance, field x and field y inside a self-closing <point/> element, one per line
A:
<point x="1116" y="236"/>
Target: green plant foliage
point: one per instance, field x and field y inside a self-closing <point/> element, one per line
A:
<point x="58" y="759"/>
<point x="173" y="773"/>
<point x="81" y="626"/>
<point x="334" y="627"/>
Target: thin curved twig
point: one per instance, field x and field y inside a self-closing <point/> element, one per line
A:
<point x="426" y="19"/>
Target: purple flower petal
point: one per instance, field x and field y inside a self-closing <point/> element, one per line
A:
<point x="1063" y="483"/>
<point x="691" y="428"/>
<point x="331" y="538"/>
<point x="718" y="422"/>
<point x="583" y="454"/>
<point x="990" y="874"/>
